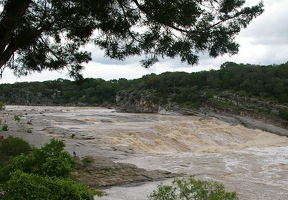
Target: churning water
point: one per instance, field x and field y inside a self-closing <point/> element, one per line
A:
<point x="251" y="162"/>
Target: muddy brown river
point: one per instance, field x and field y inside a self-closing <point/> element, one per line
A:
<point x="251" y="162"/>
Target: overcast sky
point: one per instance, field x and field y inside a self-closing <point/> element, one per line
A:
<point x="264" y="41"/>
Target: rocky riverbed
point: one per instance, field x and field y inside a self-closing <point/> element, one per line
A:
<point x="129" y="149"/>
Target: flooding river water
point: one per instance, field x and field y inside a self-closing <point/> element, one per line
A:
<point x="251" y="162"/>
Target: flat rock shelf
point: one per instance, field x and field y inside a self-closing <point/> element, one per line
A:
<point x="133" y="153"/>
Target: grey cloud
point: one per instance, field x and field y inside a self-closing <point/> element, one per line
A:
<point x="264" y="41"/>
<point x="270" y="27"/>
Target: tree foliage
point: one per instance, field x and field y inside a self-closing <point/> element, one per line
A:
<point x="49" y="34"/>
<point x="252" y="90"/>
<point x="12" y="147"/>
<point x="265" y="82"/>
<point x="42" y="174"/>
<point x="24" y="186"/>
<point x="50" y="160"/>
<point x="190" y="189"/>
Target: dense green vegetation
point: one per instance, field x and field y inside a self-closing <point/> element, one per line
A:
<point x="12" y="147"/>
<point x="185" y="189"/>
<point x="60" y="92"/>
<point x="264" y="82"/>
<point x="30" y="173"/>
<point x="257" y="91"/>
<point x="27" y="172"/>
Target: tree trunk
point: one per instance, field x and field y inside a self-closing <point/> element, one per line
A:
<point x="11" y="15"/>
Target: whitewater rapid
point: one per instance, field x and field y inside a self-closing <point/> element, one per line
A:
<point x="251" y="162"/>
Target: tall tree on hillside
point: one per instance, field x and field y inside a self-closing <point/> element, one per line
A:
<point x="49" y="34"/>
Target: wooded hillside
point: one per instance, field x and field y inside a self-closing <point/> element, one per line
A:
<point x="235" y="88"/>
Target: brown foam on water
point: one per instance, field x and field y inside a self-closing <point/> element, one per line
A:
<point x="190" y="134"/>
<point x="160" y="134"/>
<point x="251" y="162"/>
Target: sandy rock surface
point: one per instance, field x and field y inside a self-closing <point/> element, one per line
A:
<point x="251" y="161"/>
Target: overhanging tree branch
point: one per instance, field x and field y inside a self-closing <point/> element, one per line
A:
<point x="12" y="15"/>
<point x="124" y="28"/>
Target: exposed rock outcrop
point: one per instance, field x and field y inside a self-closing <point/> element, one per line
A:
<point x="103" y="172"/>
<point x="250" y="123"/>
<point x="141" y="102"/>
<point x="226" y="104"/>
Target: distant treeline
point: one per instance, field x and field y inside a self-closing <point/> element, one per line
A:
<point x="264" y="82"/>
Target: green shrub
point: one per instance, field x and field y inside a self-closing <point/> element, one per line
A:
<point x="87" y="160"/>
<point x="4" y="127"/>
<point x="284" y="114"/>
<point x="2" y="107"/>
<point x="192" y="189"/>
<point x="14" y="146"/>
<point x="99" y="193"/>
<point x="24" y="186"/>
<point x="17" y="118"/>
<point x="42" y="174"/>
<point x="51" y="160"/>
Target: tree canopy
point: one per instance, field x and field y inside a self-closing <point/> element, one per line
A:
<point x="44" y="173"/>
<point x="50" y="34"/>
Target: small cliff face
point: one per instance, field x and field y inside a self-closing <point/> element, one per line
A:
<point x="227" y="104"/>
<point x="136" y="102"/>
<point x="265" y="111"/>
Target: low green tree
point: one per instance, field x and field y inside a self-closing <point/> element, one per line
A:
<point x="12" y="147"/>
<point x="192" y="189"/>
<point x="53" y="160"/>
<point x="23" y="186"/>
<point x="42" y="174"/>
<point x="50" y="160"/>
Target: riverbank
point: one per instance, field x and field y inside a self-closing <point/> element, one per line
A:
<point x="250" y="161"/>
<point x="39" y="124"/>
